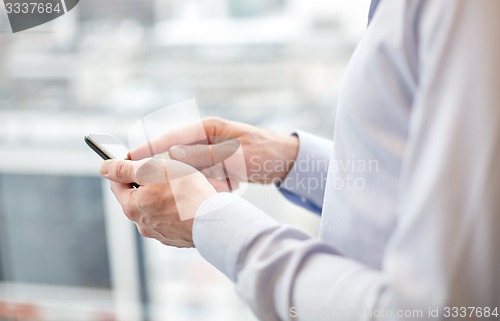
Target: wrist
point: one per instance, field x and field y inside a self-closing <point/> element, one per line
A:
<point x="290" y="151"/>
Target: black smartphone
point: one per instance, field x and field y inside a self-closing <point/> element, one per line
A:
<point x="108" y="147"/>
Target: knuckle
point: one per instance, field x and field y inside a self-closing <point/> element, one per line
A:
<point x="131" y="212"/>
<point x="120" y="169"/>
<point x="214" y="121"/>
<point x="145" y="232"/>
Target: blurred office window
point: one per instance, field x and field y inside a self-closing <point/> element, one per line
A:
<point x="277" y="64"/>
<point x="50" y="241"/>
<point x="248" y="8"/>
<point x="116" y="10"/>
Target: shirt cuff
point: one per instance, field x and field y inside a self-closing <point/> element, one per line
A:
<point x="306" y="180"/>
<point x="224" y="226"/>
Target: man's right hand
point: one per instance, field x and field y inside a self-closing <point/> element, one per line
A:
<point x="268" y="155"/>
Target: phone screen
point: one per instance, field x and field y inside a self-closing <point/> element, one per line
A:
<point x="118" y="151"/>
<point x="107" y="146"/>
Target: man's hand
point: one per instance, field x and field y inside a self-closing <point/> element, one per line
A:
<point x="164" y="205"/>
<point x="268" y="156"/>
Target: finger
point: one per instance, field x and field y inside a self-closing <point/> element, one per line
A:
<point x="176" y="169"/>
<point x="123" y="192"/>
<point x="189" y="134"/>
<point x="126" y="196"/>
<point x="204" y="156"/>
<point x="232" y="168"/>
<point x="161" y="171"/>
<point x="151" y="171"/>
<point x="198" y="156"/>
<point x="120" y="171"/>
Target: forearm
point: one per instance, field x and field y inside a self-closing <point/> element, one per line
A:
<point x="279" y="271"/>
<point x="285" y="275"/>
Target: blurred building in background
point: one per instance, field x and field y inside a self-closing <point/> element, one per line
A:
<point x="272" y="63"/>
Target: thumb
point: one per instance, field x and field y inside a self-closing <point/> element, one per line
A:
<point x="120" y="171"/>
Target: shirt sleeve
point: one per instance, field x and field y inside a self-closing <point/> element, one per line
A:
<point x="305" y="183"/>
<point x="444" y="250"/>
<point x="278" y="270"/>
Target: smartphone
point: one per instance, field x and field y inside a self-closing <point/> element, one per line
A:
<point x="108" y="147"/>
